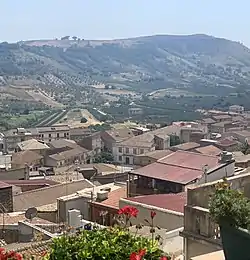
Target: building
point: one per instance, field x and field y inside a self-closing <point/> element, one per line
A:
<point x="209" y="150"/>
<point x="73" y="156"/>
<point x="201" y="234"/>
<point x="150" y="157"/>
<point x="44" y="134"/>
<point x="5" y="161"/>
<point x="112" y="137"/>
<point x="32" y="145"/>
<point x="177" y="171"/>
<point x="222" y="118"/>
<point x="27" y="157"/>
<point x="48" y="134"/>
<point x="92" y="142"/>
<point x="236" y="109"/>
<point x="77" y="134"/>
<point x="227" y="144"/>
<point x="190" y="146"/>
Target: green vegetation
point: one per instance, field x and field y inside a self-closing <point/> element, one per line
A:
<point x="103" y="157"/>
<point x="84" y="120"/>
<point x="98" y="127"/>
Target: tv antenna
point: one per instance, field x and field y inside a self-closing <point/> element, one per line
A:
<point x="31" y="213"/>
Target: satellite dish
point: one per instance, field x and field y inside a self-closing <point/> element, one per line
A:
<point x="31" y="213"/>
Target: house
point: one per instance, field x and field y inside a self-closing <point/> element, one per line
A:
<point x="77" y="134"/>
<point x="227" y="144"/>
<point x="110" y="206"/>
<point x="6" y="199"/>
<point x="55" y="132"/>
<point x="92" y="142"/>
<point x="192" y="134"/>
<point x="222" y="118"/>
<point x="150" y="157"/>
<point x="207" y="122"/>
<point x="125" y="152"/>
<point x="44" y="134"/>
<point x="27" y="157"/>
<point x="190" y="146"/>
<point x="112" y="137"/>
<point x="32" y="145"/>
<point x="236" y="109"/>
<point x="73" y="156"/>
<point x="221" y="127"/>
<point x="5" y="161"/>
<point x="209" y="150"/>
<point x="201" y="235"/>
<point x="178" y="170"/>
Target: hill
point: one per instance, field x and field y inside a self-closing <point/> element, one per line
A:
<point x="197" y="63"/>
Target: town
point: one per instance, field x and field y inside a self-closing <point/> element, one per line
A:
<point x="56" y="176"/>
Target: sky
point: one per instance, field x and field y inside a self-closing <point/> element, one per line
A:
<point x="111" y="19"/>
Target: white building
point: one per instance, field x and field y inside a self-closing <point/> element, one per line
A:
<point x="236" y="109"/>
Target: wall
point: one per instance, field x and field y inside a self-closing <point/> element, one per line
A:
<point x="164" y="218"/>
<point x="51" y="216"/>
<point x="143" y="160"/>
<point x="80" y="203"/>
<point x="48" y="195"/>
<point x="226" y="171"/>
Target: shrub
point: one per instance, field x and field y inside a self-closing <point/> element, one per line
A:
<point x="230" y="206"/>
<point x="84" y="120"/>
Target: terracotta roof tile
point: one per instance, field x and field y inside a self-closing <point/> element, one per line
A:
<point x="209" y="150"/>
<point x="114" y="197"/>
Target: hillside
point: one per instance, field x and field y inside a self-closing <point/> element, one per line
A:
<point x="197" y="63"/>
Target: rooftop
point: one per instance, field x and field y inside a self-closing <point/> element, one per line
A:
<point x="25" y="157"/>
<point x="179" y="167"/>
<point x="157" y="154"/>
<point x="243" y="133"/>
<point x="4" y="185"/>
<point x="208" y="121"/>
<point x="53" y="128"/>
<point x="174" y="202"/>
<point x="32" y="144"/>
<point x="219" y="117"/>
<point x="226" y="142"/>
<point x="68" y="154"/>
<point x="114" y="197"/>
<point x="61" y="143"/>
<point x="209" y="150"/>
<point x="119" y="135"/>
<point x="186" y="146"/>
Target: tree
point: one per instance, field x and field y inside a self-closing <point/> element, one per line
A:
<point x="84" y="120"/>
<point x="103" y="157"/>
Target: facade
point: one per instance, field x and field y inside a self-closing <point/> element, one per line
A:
<point x="178" y="171"/>
<point x="92" y="142"/>
<point x="45" y="134"/>
<point x="201" y="235"/>
<point x="73" y="156"/>
<point x="135" y="111"/>
<point x="6" y="199"/>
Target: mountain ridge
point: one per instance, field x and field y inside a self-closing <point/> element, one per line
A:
<point x="197" y="62"/>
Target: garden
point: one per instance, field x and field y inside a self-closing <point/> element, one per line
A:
<point x="95" y="243"/>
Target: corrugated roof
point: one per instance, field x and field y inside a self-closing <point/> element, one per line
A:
<point x="174" y="202"/>
<point x="179" y="167"/>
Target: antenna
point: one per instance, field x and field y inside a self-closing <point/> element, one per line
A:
<point x="31" y="213"/>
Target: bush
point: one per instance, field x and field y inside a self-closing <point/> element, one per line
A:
<point x="230" y="206"/>
<point x="113" y="243"/>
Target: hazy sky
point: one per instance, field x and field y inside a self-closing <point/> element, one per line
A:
<point x="107" y="19"/>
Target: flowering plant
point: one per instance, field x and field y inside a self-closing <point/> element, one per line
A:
<point x="11" y="255"/>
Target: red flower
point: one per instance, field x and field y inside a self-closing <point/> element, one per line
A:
<point x="135" y="256"/>
<point x="44" y="253"/>
<point x="129" y="211"/>
<point x="153" y="213"/>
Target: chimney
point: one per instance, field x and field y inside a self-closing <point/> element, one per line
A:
<point x="102" y="195"/>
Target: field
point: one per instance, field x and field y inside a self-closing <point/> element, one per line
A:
<point x="74" y="116"/>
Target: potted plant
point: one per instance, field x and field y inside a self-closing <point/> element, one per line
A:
<point x="231" y="210"/>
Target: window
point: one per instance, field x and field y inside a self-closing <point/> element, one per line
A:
<point x="65" y="135"/>
<point x="120" y="149"/>
<point x="134" y="151"/>
<point x="57" y="135"/>
<point x="120" y="158"/>
<point x="49" y="135"/>
<point x="49" y="140"/>
<point x="127" y="150"/>
<point x="141" y="151"/>
<point x="42" y="135"/>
